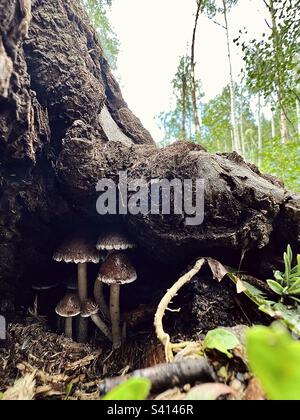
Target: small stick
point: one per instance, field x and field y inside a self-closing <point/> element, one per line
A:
<point x="168" y="375"/>
<point x="163" y="337"/>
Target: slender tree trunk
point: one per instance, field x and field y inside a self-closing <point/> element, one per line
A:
<point x="284" y="131"/>
<point x="259" y="148"/>
<point x="242" y="123"/>
<point x="273" y="125"/>
<point x="193" y="65"/>
<point x="184" y="92"/>
<point x="298" y="116"/>
<point x="284" y="127"/>
<point x="236" y="136"/>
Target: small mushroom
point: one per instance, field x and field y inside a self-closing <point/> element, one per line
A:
<point x="115" y="241"/>
<point x="90" y="309"/>
<point x="79" y="249"/>
<point x="116" y="270"/>
<point x="110" y="242"/>
<point x="68" y="308"/>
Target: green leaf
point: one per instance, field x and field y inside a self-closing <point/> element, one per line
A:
<point x="276" y="287"/>
<point x="290" y="254"/>
<point x="1" y="395"/>
<point x="294" y="290"/>
<point x="290" y="317"/>
<point x="274" y="358"/>
<point x="135" y="389"/>
<point x="253" y="293"/>
<point x="278" y="276"/>
<point x="69" y="388"/>
<point x="221" y="340"/>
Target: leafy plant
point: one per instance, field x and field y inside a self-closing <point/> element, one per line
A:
<point x="135" y="389"/>
<point x="274" y="357"/>
<point x="287" y="284"/>
<point x="221" y="340"/>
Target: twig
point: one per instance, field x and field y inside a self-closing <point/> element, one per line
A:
<point x="167" y="375"/>
<point x="163" y="337"/>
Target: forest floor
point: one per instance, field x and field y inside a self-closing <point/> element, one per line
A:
<point x="39" y="364"/>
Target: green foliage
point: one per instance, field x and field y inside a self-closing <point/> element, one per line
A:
<point x="283" y="161"/>
<point x="212" y="8"/>
<point x="135" y="389"/>
<point x="271" y="64"/>
<point x="221" y="340"/>
<point x="217" y="121"/>
<point x="178" y="123"/>
<point x="97" y="11"/>
<point x="286" y="286"/>
<point x="274" y="358"/>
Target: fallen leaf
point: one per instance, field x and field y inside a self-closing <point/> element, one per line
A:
<point x="218" y="270"/>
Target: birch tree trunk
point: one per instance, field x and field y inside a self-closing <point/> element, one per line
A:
<point x="259" y="131"/>
<point x="273" y="125"/>
<point x="242" y="123"/>
<point x="236" y="136"/>
<point x="298" y="116"/>
<point x="193" y="65"/>
<point x="184" y="92"/>
<point x="284" y="130"/>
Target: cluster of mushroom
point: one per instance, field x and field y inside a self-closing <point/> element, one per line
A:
<point x="115" y="271"/>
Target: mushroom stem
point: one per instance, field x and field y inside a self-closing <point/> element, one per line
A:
<point x="82" y="281"/>
<point x="82" y="335"/>
<point x="83" y="294"/>
<point x="68" y="328"/>
<point x="99" y="298"/>
<point x="102" y="326"/>
<point x="115" y="315"/>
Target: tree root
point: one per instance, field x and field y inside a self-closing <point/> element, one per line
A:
<point x="163" y="337"/>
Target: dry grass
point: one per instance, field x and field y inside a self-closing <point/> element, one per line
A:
<point x="38" y="364"/>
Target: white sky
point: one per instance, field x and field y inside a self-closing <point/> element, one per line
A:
<point x="153" y="35"/>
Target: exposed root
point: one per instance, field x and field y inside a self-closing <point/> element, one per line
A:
<point x="163" y="337"/>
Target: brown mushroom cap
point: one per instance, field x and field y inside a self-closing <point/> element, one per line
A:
<point x="79" y="248"/>
<point x="89" y="308"/>
<point x="115" y="241"/>
<point x="117" y="269"/>
<point x="68" y="307"/>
